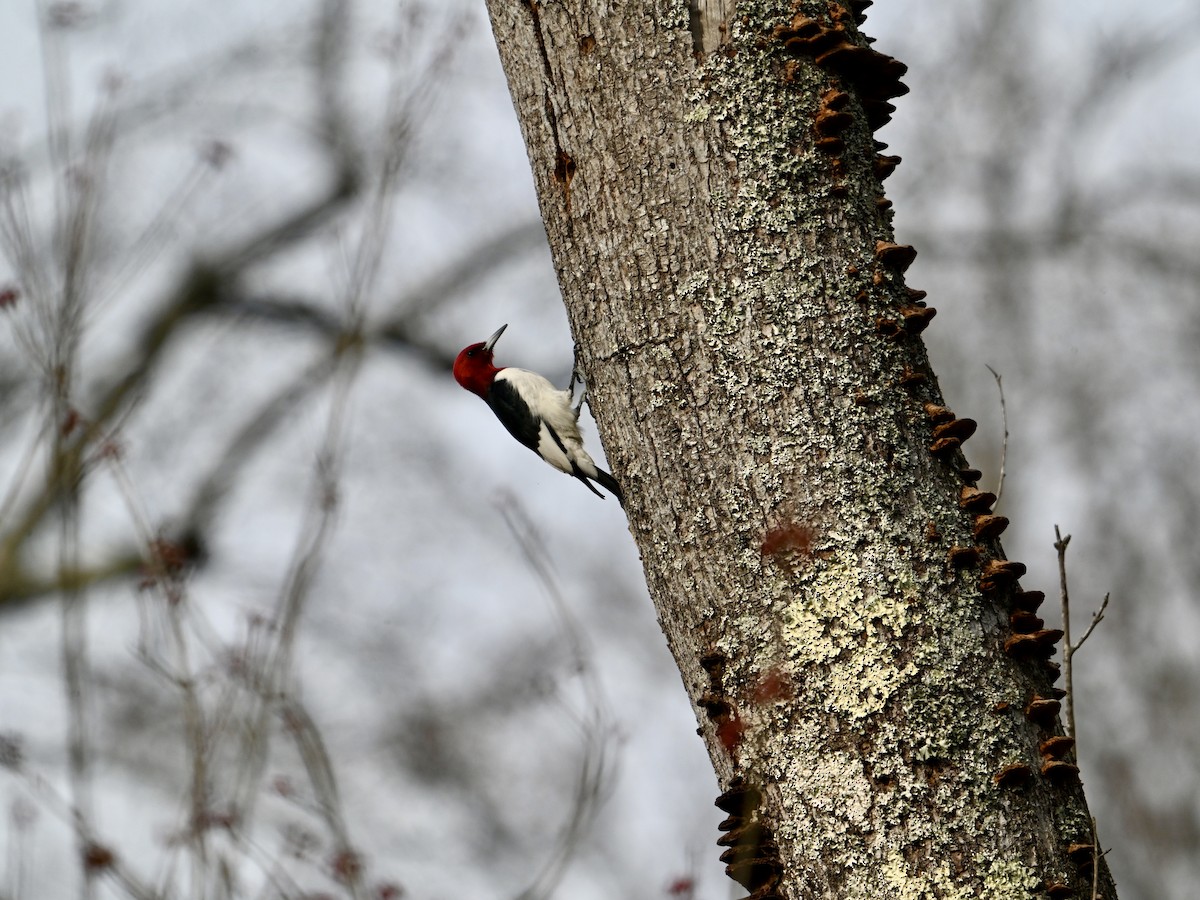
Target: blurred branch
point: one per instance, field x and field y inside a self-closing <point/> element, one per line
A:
<point x="207" y="284"/>
<point x="191" y="536"/>
<point x="400" y="331"/>
<point x="271" y="668"/>
<point x="97" y="856"/>
<point x="468" y="269"/>
<point x="596" y="723"/>
<point x="259" y="425"/>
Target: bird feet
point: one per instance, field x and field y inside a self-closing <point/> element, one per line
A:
<point x="577" y="376"/>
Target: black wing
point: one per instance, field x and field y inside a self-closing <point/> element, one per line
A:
<point x="514" y="413"/>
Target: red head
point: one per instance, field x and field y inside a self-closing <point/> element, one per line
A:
<point x="473" y="369"/>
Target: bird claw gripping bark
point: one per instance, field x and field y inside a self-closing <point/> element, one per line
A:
<point x="577" y="378"/>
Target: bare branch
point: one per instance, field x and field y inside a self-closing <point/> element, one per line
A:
<point x="1060" y="545"/>
<point x="1004" y="446"/>
<point x="1096" y="618"/>
<point x="1069" y="648"/>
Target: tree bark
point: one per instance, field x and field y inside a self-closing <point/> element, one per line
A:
<point x="872" y="683"/>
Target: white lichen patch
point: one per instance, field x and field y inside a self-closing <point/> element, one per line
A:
<point x="846" y="620"/>
<point x="843" y="791"/>
<point x="1006" y="879"/>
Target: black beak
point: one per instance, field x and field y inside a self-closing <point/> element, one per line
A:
<point x="491" y="342"/>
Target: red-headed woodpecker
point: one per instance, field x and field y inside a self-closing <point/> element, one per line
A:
<point x="534" y="411"/>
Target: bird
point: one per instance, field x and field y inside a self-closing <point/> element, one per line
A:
<point x="534" y="411"/>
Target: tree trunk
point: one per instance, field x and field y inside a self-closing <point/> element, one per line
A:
<point x="873" y="685"/>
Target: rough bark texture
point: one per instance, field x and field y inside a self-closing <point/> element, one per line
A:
<point x="872" y="684"/>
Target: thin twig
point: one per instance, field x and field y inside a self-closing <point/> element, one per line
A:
<point x="1060" y="544"/>
<point x="1004" y="446"/>
<point x="63" y="809"/>
<point x="1069" y="648"/>
<point x="171" y="601"/>
<point x="1096" y="618"/>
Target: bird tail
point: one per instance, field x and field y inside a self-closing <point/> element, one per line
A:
<point x="609" y="483"/>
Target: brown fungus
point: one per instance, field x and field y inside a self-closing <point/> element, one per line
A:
<point x="1022" y="646"/>
<point x="715" y="706"/>
<point x="834" y="99"/>
<point x="987" y="527"/>
<point x="803" y="35"/>
<point x="963" y="556"/>
<point x="876" y="74"/>
<point x="1029" y="601"/>
<point x="713" y="663"/>
<point x="1049" y="637"/>
<point x="831" y="145"/>
<point x="895" y="256"/>
<point x="730" y="823"/>
<point x="884" y="166"/>
<point x="1060" y="771"/>
<point x="938" y="414"/>
<point x="755" y="873"/>
<point x="843" y="58"/>
<point x="974" y="500"/>
<point x="747" y="851"/>
<point x="1042" y="711"/>
<point x="957" y="428"/>
<point x="879" y="113"/>
<point x="1082" y="854"/>
<point x="1000" y="573"/>
<point x="917" y="318"/>
<point x="944" y="446"/>
<point x="887" y="327"/>
<point x="751" y="835"/>
<point x="1012" y="775"/>
<point x="1023" y="622"/>
<point x="1056" y="747"/>
<point x="829" y="123"/>
<point x="742" y="798"/>
<point x="1035" y="645"/>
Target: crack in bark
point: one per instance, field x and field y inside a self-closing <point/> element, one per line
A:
<point x="708" y="21"/>
<point x="564" y="164"/>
